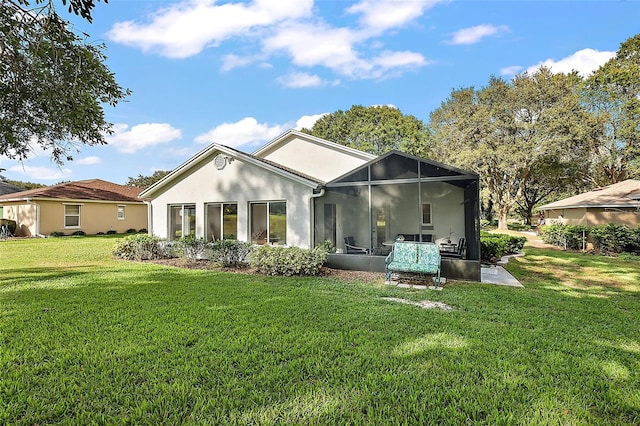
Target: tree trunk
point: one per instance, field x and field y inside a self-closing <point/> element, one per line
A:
<point x="502" y="220"/>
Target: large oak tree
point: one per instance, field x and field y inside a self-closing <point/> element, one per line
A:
<point x="53" y="82"/>
<point x="507" y="130"/>
<point x="374" y="129"/>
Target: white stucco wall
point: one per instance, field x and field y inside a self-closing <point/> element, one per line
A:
<point x="313" y="159"/>
<point x="239" y="182"/>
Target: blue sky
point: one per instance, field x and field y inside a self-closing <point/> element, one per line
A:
<point x="240" y="73"/>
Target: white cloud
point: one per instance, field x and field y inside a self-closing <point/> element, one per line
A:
<point x="41" y="173"/>
<point x="381" y="15"/>
<point x="87" y="161"/>
<point x="584" y="61"/>
<point x="243" y="132"/>
<point x="512" y="70"/>
<point x="187" y="28"/>
<point x="319" y="44"/>
<point x="300" y="79"/>
<point x="141" y="136"/>
<point x="278" y="27"/>
<point x="473" y="35"/>
<point x="307" y="121"/>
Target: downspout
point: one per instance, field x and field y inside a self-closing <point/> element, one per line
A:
<point x="312" y="210"/>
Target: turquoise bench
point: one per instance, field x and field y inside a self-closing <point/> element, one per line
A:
<point x="413" y="257"/>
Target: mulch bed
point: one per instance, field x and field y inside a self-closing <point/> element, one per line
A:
<point x="324" y="272"/>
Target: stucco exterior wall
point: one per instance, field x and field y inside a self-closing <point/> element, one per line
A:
<point x="593" y="217"/>
<point x="94" y="217"/>
<point x="317" y="161"/>
<point x="239" y="182"/>
<point x="25" y="215"/>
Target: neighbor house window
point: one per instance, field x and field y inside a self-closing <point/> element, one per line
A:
<point x="120" y="212"/>
<point x="72" y="216"/>
<point x="182" y="221"/>
<point x="269" y="223"/>
<point x="426" y="214"/>
<point x="222" y="221"/>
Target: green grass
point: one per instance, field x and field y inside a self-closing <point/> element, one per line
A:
<point x="88" y="339"/>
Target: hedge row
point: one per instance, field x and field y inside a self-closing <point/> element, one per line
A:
<point x="494" y="246"/>
<point x="608" y="239"/>
<point x="268" y="260"/>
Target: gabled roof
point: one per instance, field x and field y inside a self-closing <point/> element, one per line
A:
<point x="7" y="188"/>
<point x="88" y="190"/>
<point x="233" y="153"/>
<point x="621" y="194"/>
<point x="286" y="136"/>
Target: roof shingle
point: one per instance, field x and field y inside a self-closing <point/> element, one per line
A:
<point x="92" y="189"/>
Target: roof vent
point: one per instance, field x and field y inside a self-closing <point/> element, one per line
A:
<point x="220" y="161"/>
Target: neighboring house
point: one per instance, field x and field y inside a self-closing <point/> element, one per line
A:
<point x="7" y="188"/>
<point x="300" y="190"/>
<point x="90" y="206"/>
<point x="618" y="203"/>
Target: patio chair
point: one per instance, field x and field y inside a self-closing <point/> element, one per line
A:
<point x="460" y="250"/>
<point x="352" y="248"/>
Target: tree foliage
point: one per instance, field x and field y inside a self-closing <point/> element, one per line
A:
<point x="147" y="181"/>
<point x="375" y="129"/>
<point x="506" y="129"/>
<point x="613" y="94"/>
<point x="53" y="82"/>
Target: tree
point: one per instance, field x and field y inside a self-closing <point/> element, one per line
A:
<point x="147" y="181"/>
<point x="53" y="82"/>
<point x="375" y="129"/>
<point x="25" y="185"/>
<point x="506" y="129"/>
<point x="613" y="95"/>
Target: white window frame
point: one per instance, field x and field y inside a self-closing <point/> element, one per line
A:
<point x="121" y="208"/>
<point x="430" y="214"/>
<point x="66" y="215"/>
<point x="222" y="206"/>
<point x="268" y="229"/>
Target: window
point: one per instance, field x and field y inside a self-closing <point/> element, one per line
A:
<point x="72" y="216"/>
<point x="120" y="212"/>
<point x="182" y="221"/>
<point x="222" y="221"/>
<point x="426" y="214"/>
<point x="269" y="223"/>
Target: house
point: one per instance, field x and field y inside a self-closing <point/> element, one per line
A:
<point x="300" y="190"/>
<point x="618" y="203"/>
<point x="7" y="188"/>
<point x="90" y="206"/>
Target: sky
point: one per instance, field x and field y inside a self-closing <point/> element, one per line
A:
<point x="240" y="73"/>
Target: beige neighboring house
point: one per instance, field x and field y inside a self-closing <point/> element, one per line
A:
<point x="618" y="203"/>
<point x="90" y="206"/>
<point x="300" y="190"/>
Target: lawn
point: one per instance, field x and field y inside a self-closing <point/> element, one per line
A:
<point x="88" y="339"/>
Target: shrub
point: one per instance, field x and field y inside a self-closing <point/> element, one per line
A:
<point x="230" y="253"/>
<point x="100" y="233"/>
<point x="327" y="246"/>
<point x="288" y="261"/>
<point x="192" y="247"/>
<point x="79" y="232"/>
<point x="613" y="238"/>
<point x="131" y="231"/>
<point x="111" y="232"/>
<point x="141" y="247"/>
<point x="494" y="246"/>
<point x="56" y="234"/>
<point x="567" y="236"/>
<point x="142" y="231"/>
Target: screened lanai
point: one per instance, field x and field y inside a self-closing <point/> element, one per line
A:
<point x="401" y="196"/>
